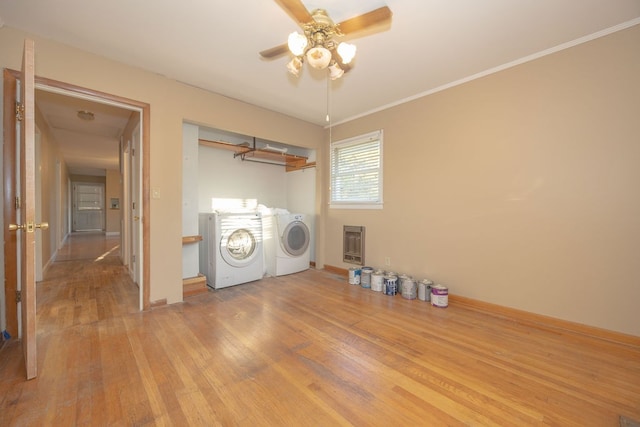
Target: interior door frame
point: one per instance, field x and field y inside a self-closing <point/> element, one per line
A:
<point x="133" y="210"/>
<point x="145" y="114"/>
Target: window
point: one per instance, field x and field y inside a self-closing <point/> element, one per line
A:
<point x="356" y="172"/>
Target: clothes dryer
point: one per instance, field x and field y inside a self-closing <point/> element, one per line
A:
<point x="231" y="251"/>
<point x="287" y="244"/>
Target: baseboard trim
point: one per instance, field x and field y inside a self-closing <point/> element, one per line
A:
<point x="336" y="270"/>
<point x="528" y="318"/>
<point x="158" y="303"/>
<point x="545" y="322"/>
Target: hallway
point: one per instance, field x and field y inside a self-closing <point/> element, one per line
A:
<point x="86" y="283"/>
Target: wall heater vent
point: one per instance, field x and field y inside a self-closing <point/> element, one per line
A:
<point x="353" y="246"/>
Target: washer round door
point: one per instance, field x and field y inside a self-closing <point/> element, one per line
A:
<point x="295" y="238"/>
<point x="239" y="247"/>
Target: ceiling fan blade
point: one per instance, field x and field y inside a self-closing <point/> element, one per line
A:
<point x="296" y="10"/>
<point x="275" y="51"/>
<point x="377" y="16"/>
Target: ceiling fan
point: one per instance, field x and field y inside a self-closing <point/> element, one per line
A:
<point x="317" y="44"/>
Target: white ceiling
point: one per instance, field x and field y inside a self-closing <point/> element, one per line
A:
<point x="88" y="147"/>
<point x="214" y="44"/>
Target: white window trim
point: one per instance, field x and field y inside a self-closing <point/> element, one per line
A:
<point x="353" y="141"/>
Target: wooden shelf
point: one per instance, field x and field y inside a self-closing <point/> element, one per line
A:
<point x="291" y="162"/>
<point x="191" y="239"/>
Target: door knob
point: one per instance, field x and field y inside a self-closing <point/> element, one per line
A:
<point x="136" y="218"/>
<point x="29" y="227"/>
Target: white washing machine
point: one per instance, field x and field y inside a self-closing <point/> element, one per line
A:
<point x="231" y="251"/>
<point x="287" y="244"/>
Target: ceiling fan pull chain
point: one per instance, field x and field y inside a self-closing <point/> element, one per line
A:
<point x="328" y="118"/>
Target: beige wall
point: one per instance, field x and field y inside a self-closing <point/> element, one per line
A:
<point x="171" y="104"/>
<point x="49" y="203"/>
<point x="518" y="189"/>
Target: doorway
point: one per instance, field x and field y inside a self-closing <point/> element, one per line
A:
<point x="62" y="191"/>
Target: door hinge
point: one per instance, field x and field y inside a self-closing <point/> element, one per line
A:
<point x="19" y="111"/>
<point x="18" y="296"/>
<point x="18" y="203"/>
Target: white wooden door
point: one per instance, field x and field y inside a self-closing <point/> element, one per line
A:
<point x="88" y="207"/>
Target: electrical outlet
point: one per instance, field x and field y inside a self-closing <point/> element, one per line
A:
<point x="387" y="260"/>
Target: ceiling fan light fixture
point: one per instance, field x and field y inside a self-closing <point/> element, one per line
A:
<point x="294" y="66"/>
<point x="319" y="57"/>
<point x="318" y="44"/>
<point x="347" y="52"/>
<point x="335" y="72"/>
<point x="297" y="43"/>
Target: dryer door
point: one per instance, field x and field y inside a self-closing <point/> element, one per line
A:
<point x="295" y="238"/>
<point x="239" y="245"/>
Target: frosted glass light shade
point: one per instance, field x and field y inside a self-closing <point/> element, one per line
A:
<point x="319" y="57"/>
<point x="297" y="43"/>
<point x="347" y="52"/>
<point x="335" y="72"/>
<point x="294" y="66"/>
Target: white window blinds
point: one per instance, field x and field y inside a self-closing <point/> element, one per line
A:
<point x="356" y="172"/>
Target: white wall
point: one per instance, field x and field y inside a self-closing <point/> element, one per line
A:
<point x="214" y="173"/>
<point x="190" y="267"/>
<point x="222" y="176"/>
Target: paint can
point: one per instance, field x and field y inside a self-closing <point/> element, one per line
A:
<point x="409" y="288"/>
<point x="401" y="279"/>
<point x="365" y="279"/>
<point x="439" y="296"/>
<point x="424" y="290"/>
<point x="390" y="285"/>
<point x="377" y="281"/>
<point x="354" y="276"/>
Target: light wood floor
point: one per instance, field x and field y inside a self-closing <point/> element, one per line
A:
<point x="300" y="350"/>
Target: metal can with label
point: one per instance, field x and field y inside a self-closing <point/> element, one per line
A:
<point x="390" y="285"/>
<point x="409" y="288"/>
<point x="365" y="277"/>
<point x="354" y="276"/>
<point x="426" y="283"/>
<point x="377" y="281"/>
<point x="439" y="296"/>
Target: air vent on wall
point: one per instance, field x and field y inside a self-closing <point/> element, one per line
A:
<point x="353" y="246"/>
